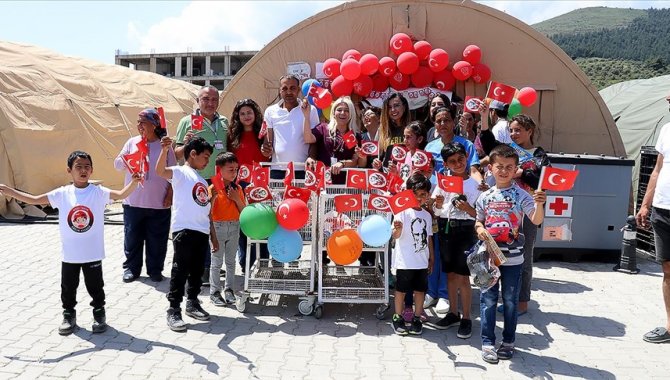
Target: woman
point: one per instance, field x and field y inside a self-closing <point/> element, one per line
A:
<point x="435" y="101"/>
<point x="395" y="117"/>
<point x="370" y="130"/>
<point x="146" y="212"/>
<point x="330" y="146"/>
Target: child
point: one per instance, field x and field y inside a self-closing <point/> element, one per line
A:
<point x="226" y="207"/>
<point x="81" y="209"/>
<point x="191" y="228"/>
<point x="412" y="255"/>
<point x="500" y="211"/>
<point x="456" y="235"/>
<point x="413" y="140"/>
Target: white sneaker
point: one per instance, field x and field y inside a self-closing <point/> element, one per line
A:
<point x="429" y="301"/>
<point x="442" y="306"/>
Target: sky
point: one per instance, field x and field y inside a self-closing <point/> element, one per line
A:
<point x="96" y="29"/>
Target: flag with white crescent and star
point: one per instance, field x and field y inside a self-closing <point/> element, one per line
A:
<point x="135" y="162"/>
<point x="556" y="179"/>
<point x="350" y="139"/>
<point x="196" y="122"/>
<point x="501" y="92"/>
<point x="298" y="193"/>
<point x="357" y="179"/>
<point x="260" y="176"/>
<point x="450" y="183"/>
<point x="402" y="201"/>
<point x="289" y="175"/>
<point x="394" y="183"/>
<point x="348" y="202"/>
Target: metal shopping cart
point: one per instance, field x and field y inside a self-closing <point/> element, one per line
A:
<point x="268" y="276"/>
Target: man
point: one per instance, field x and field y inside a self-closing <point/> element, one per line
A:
<point x="289" y="134"/>
<point x="658" y="196"/>
<point x="498" y="117"/>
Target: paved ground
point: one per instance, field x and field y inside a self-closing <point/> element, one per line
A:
<point x="586" y="322"/>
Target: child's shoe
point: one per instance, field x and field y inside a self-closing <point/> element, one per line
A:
<point x="99" y="321"/>
<point x="194" y="310"/>
<point x="449" y="320"/>
<point x="506" y="351"/>
<point x="174" y="321"/>
<point x="69" y="323"/>
<point x="408" y="314"/>
<point x="398" y="324"/>
<point x="416" y="328"/>
<point x="217" y="300"/>
<point x="489" y="354"/>
<point x="229" y="296"/>
<point x="464" y="329"/>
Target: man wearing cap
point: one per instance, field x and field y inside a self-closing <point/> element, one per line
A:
<point x="146" y="212"/>
<point x="657" y="203"/>
<point x="498" y="117"/>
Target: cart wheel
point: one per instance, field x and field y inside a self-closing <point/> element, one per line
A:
<point x="318" y="312"/>
<point x="305" y="307"/>
<point x="380" y="313"/>
<point x="241" y="304"/>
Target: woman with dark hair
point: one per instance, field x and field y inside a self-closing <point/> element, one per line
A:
<point x="434" y="101"/>
<point x="395" y="117"/>
<point x="243" y="138"/>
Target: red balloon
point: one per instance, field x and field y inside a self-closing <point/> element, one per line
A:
<point x="369" y="64"/>
<point x="438" y="60"/>
<point x="292" y="214"/>
<point x="527" y="96"/>
<point x="350" y="69"/>
<point x="422" y="49"/>
<point x="462" y="70"/>
<point x="423" y="77"/>
<point x="399" y="81"/>
<point x="351" y="53"/>
<point x="481" y="73"/>
<point x="472" y="54"/>
<point x="380" y="82"/>
<point x="323" y="102"/>
<point x="444" y="80"/>
<point x="400" y="43"/>
<point x="363" y="85"/>
<point x="332" y="68"/>
<point x="341" y="87"/>
<point x="408" y="62"/>
<point x="387" y="66"/>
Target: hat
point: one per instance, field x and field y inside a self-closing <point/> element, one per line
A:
<point x="497" y="105"/>
<point x="150" y="115"/>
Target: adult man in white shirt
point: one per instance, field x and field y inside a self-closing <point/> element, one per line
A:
<point x="498" y="117"/>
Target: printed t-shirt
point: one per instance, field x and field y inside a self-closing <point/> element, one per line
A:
<point x="190" y="200"/>
<point x="411" y="249"/>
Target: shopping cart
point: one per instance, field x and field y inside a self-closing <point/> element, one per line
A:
<point x="269" y="276"/>
<point x="351" y="283"/>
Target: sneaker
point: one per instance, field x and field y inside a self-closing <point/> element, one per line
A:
<point x="464" y="329"/>
<point x="229" y="296"/>
<point x="408" y="314"/>
<point x="398" y="324"/>
<point x="128" y="276"/>
<point x="416" y="328"/>
<point x="174" y="321"/>
<point x="429" y="302"/>
<point x="99" y="321"/>
<point x="449" y="320"/>
<point x="194" y="310"/>
<point x="442" y="306"/>
<point x="489" y="354"/>
<point x="69" y="323"/>
<point x="657" y="335"/>
<point x="205" y="279"/>
<point x="506" y="351"/>
<point x="217" y="300"/>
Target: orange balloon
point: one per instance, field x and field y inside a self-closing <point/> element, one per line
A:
<point x="344" y="247"/>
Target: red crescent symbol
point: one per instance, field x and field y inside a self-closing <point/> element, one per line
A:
<point x="395" y="46"/>
<point x="328" y="71"/>
<point x="283" y="214"/>
<point x="433" y="62"/>
<point x="397" y="203"/>
<point x="495" y="91"/>
<point x="291" y="193"/>
<point x="354" y="176"/>
<point x="440" y="85"/>
<point x="388" y="71"/>
<point x="354" y="203"/>
<point x="549" y="179"/>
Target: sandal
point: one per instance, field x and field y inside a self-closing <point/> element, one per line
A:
<point x="506" y="351"/>
<point x="657" y="335"/>
<point x="489" y="355"/>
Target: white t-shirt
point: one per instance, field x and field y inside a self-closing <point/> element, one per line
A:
<point x="289" y="143"/>
<point x="190" y="200"/>
<point x="411" y="249"/>
<point x="81" y="220"/>
<point x="662" y="192"/>
<point x="501" y="131"/>
<point x="448" y="211"/>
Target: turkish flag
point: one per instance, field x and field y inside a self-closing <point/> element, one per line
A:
<point x="350" y="139"/>
<point x="501" y="92"/>
<point x="313" y="177"/>
<point x="556" y="179"/>
<point x="450" y="183"/>
<point x="370" y="148"/>
<point x="398" y="153"/>
<point x="257" y="194"/>
<point x="377" y="179"/>
<point x="420" y="160"/>
<point x="135" y="162"/>
<point x="290" y="174"/>
<point x="217" y="181"/>
<point x="394" y="183"/>
<point x="357" y="179"/>
<point x="196" y="122"/>
<point x="161" y="116"/>
<point x="244" y="173"/>
<point x="316" y="91"/>
<point x="471" y="104"/>
<point x="142" y="146"/>
<point x="379" y="203"/>
<point x="325" y="176"/>
<point x="299" y="193"/>
<point x="402" y="201"/>
<point x="353" y="202"/>
<point x="260" y="176"/>
<point x="264" y="130"/>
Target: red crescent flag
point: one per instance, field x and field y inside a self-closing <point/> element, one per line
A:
<point x="316" y="91"/>
<point x="260" y="176"/>
<point x="344" y="203"/>
<point x="196" y="122"/>
<point x="297" y="192"/>
<point x="135" y="162"/>
<point x="357" y="179"/>
<point x="370" y="148"/>
<point x="289" y="174"/>
<point x="142" y="146"/>
<point x="501" y="92"/>
<point x="394" y="183"/>
<point x="556" y="179"/>
<point x="161" y="116"/>
<point x="402" y="201"/>
<point x="217" y="181"/>
<point x="450" y="184"/>
<point x="244" y="173"/>
<point x="257" y="194"/>
<point x="264" y="130"/>
<point x="350" y="140"/>
<point x="379" y="203"/>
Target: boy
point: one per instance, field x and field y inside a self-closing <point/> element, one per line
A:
<point x="500" y="211"/>
<point x="456" y="221"/>
<point x="226" y="207"/>
<point x="191" y="228"/>
<point x="81" y="209"/>
<point x="412" y="255"/>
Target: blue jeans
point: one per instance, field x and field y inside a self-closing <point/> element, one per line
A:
<point x="145" y="226"/>
<point x="510" y="280"/>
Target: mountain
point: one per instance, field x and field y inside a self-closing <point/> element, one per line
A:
<point x="589" y="20"/>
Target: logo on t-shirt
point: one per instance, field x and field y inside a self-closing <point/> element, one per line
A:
<point x="200" y="194"/>
<point x="80" y="219"/>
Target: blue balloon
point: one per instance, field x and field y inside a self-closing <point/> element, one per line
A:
<point x="306" y="85"/>
<point x="284" y="245"/>
<point x="375" y="230"/>
<point x="310" y="100"/>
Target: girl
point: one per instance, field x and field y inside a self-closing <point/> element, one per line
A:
<point x="395" y="117"/>
<point x="243" y="138"/>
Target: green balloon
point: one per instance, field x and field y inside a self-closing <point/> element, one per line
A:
<point x="258" y="221"/>
<point x="514" y="108"/>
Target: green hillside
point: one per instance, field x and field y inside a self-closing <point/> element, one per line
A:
<point x="605" y="72"/>
<point x="589" y="20"/>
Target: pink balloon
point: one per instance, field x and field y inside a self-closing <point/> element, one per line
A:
<point x="369" y="64"/>
<point x="399" y="81"/>
<point x="472" y="54"/>
<point x="438" y="60"/>
<point x="323" y="102"/>
<point x="351" y="53"/>
<point x="341" y="86"/>
<point x="422" y="49"/>
<point x="363" y="85"/>
<point x="462" y="70"/>
<point x="387" y="66"/>
<point x="331" y="67"/>
<point x="400" y="43"/>
<point x="527" y="96"/>
<point x="423" y="77"/>
<point x="444" y="80"/>
<point x="380" y="82"/>
<point x="350" y="69"/>
<point x="408" y="62"/>
<point x="481" y="73"/>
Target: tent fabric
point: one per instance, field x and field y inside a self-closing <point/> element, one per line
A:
<point x="51" y="105"/>
<point x="569" y="111"/>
